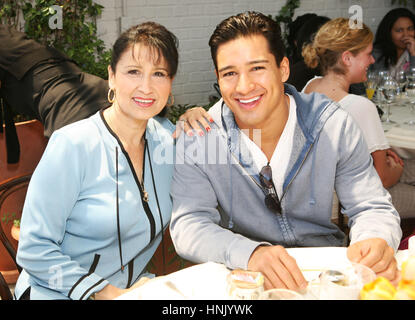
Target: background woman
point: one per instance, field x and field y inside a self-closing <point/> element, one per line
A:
<point x="344" y="55"/>
<point x="98" y="202"/>
<point x="394" y="46"/>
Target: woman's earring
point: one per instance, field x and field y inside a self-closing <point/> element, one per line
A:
<point x="111" y="92"/>
<point x="171" y="98"/>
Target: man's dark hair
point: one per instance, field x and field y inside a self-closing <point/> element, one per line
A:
<point x="244" y="25"/>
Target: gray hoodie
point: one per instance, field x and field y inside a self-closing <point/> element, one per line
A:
<point x="219" y="212"/>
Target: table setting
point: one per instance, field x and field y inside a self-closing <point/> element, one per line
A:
<point x="325" y="268"/>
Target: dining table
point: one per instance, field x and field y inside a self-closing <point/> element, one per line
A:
<point x="400" y="135"/>
<point x="208" y="281"/>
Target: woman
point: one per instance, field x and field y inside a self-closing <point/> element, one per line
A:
<point x="394" y="46"/>
<point x="98" y="202"/>
<point x="344" y="55"/>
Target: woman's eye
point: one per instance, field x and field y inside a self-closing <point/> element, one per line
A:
<point x="160" y="74"/>
<point x="133" y="72"/>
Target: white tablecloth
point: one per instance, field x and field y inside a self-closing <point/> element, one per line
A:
<point x="207" y="281"/>
<point x="401" y="136"/>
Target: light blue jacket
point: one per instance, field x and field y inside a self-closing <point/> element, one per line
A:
<point x="69" y="245"/>
<point x="218" y="207"/>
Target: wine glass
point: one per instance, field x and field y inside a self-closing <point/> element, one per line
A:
<point x="410" y="91"/>
<point x="371" y="84"/>
<point x="389" y="91"/>
<point x="401" y="80"/>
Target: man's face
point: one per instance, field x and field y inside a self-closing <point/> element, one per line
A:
<point x="250" y="81"/>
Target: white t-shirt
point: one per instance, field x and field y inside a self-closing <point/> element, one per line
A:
<point x="365" y="114"/>
<point x="280" y="157"/>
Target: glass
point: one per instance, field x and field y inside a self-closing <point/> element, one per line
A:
<point x="410" y="92"/>
<point x="380" y="99"/>
<point x="344" y="284"/>
<point x="389" y="91"/>
<point x="245" y="285"/>
<point x="401" y="80"/>
<point x="371" y="84"/>
<point x="280" y="294"/>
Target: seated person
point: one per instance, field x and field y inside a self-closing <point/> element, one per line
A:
<point x="98" y="202"/>
<point x="263" y="179"/>
<point x="300" y="73"/>
<point x="394" y="46"/>
<point x="344" y="55"/>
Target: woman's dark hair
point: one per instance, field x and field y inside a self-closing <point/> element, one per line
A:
<point x="383" y="38"/>
<point x="292" y="38"/>
<point x="307" y="32"/>
<point x="153" y="35"/>
<point x="244" y="25"/>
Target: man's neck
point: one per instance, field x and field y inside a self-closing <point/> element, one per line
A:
<point x="268" y="136"/>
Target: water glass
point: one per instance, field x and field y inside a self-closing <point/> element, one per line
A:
<point x="401" y="80"/>
<point x="346" y="283"/>
<point x="389" y="91"/>
<point x="410" y="92"/>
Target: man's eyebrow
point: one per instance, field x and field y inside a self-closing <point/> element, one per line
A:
<point x="249" y="63"/>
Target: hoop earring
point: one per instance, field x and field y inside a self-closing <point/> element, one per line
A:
<point x="111" y="100"/>
<point x="171" y="98"/>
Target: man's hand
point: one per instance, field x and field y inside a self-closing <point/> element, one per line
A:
<point x="377" y="255"/>
<point x="279" y="269"/>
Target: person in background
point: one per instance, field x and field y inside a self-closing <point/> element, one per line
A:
<point x="263" y="179"/>
<point x="300" y="73"/>
<point x="394" y="45"/>
<point x="98" y="201"/>
<point x="292" y="37"/>
<point x="344" y="55"/>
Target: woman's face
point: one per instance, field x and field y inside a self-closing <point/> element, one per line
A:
<point x="402" y="29"/>
<point x="141" y="82"/>
<point x="360" y="64"/>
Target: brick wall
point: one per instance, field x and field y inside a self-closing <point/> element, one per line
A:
<point x="193" y="21"/>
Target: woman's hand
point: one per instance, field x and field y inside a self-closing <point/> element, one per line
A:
<point x="410" y="45"/>
<point x="193" y="119"/>
<point x="111" y="292"/>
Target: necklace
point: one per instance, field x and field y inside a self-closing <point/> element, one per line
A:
<point x="144" y="192"/>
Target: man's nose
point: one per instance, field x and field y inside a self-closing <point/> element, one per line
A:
<point x="245" y="84"/>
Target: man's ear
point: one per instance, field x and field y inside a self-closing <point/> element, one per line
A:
<point x="285" y="69"/>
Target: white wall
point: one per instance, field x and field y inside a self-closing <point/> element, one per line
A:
<point x="193" y="21"/>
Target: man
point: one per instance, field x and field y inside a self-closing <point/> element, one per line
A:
<point x="43" y="83"/>
<point x="285" y="153"/>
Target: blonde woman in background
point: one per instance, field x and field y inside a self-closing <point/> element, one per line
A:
<point x="344" y="56"/>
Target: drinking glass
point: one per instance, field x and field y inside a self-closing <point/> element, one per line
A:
<point x="401" y="80"/>
<point x="346" y="283"/>
<point x="371" y="84"/>
<point x="410" y="91"/>
<point x="389" y="91"/>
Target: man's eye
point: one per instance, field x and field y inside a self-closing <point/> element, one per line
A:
<point x="256" y="68"/>
<point x="229" y="74"/>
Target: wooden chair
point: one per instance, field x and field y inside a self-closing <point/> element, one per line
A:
<point x="8" y="187"/>
<point x="5" y="293"/>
